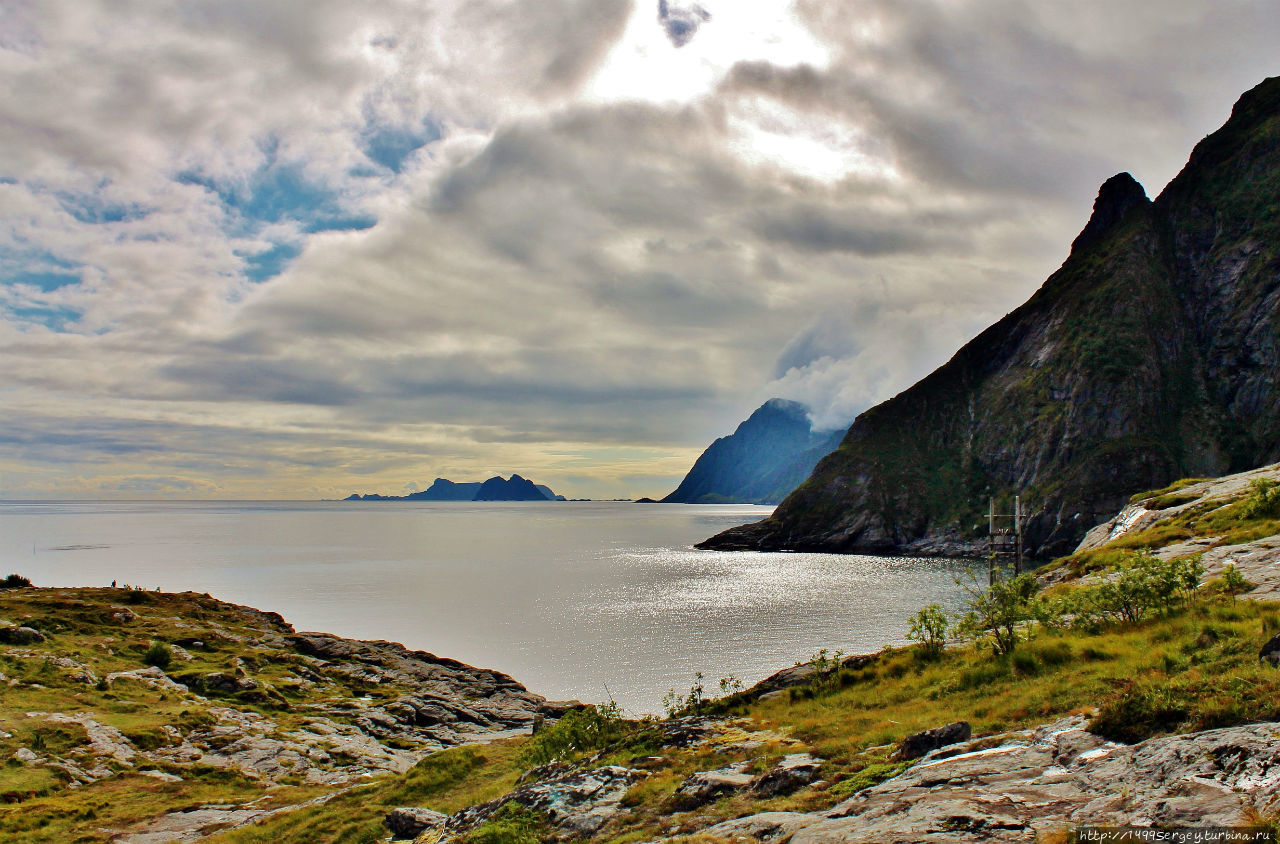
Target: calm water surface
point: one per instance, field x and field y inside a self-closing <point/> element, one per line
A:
<point x="575" y="599"/>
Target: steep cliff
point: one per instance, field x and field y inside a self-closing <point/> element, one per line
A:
<point x="765" y="458"/>
<point x="1151" y="354"/>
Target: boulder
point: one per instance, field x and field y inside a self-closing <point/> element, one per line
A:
<point x="704" y="786"/>
<point x="1271" y="651"/>
<point x="408" y="822"/>
<point x="791" y="773"/>
<point x="767" y="826"/>
<point x="578" y="804"/>
<point x="918" y="744"/>
<point x="20" y="636"/>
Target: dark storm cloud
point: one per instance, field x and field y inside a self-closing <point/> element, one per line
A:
<point x="291" y="382"/>
<point x="813" y="228"/>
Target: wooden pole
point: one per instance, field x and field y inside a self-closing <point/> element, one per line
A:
<point x="991" y="542"/>
<point x="1017" y="532"/>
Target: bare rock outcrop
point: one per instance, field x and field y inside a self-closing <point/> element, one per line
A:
<point x="1046" y="780"/>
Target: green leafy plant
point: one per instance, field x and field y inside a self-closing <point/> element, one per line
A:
<point x="997" y="614"/>
<point x="159" y="654"/>
<point x="1263" y="500"/>
<point x="929" y="628"/>
<point x="674" y="703"/>
<point x="1233" y="581"/>
<point x="576" y="733"/>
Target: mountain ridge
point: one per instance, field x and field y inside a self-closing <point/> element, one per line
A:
<point x="765" y="458"/>
<point x="1149" y="355"/>
<point x="496" y="488"/>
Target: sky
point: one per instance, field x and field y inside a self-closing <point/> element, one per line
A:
<point x="303" y="248"/>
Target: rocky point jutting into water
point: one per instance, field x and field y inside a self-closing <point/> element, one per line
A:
<point x="1152" y="354"/>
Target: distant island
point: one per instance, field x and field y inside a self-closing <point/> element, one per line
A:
<point x="496" y="488"/>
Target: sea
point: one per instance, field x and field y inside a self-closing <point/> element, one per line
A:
<point x="596" y="601"/>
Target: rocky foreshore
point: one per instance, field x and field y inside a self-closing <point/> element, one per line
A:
<point x="231" y="689"/>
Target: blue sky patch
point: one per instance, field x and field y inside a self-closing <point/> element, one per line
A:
<point x="55" y="318"/>
<point x="270" y="262"/>
<point x="45" y="281"/>
<point x="279" y="191"/>
<point x="90" y="208"/>
<point x="391" y="145"/>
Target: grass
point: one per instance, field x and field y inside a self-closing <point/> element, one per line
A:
<point x="1250" y="516"/>
<point x="446" y="782"/>
<point x="1182" y="483"/>
<point x="1057" y="674"/>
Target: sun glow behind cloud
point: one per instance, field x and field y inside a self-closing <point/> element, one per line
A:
<point x="644" y="65"/>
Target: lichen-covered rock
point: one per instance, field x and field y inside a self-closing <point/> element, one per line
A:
<point x="578" y="804"/>
<point x="1058" y="776"/>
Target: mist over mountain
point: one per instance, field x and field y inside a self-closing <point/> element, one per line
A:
<point x="763" y="460"/>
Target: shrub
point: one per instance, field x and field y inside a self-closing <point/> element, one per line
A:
<point x="675" y="703"/>
<point x="929" y="628"/>
<point x="15" y="581"/>
<point x="1025" y="663"/>
<point x="1138" y="712"/>
<point x="1143" y="583"/>
<point x="578" y="731"/>
<point x="1263" y="500"/>
<point x="1233" y="581"/>
<point x="159" y="655"/>
<point x="998" y="612"/>
<point x="511" y="824"/>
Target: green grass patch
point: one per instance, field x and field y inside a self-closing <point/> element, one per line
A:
<point x="1181" y="483"/>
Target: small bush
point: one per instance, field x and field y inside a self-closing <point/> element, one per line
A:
<point x="1263" y="501"/>
<point x="1055" y="653"/>
<point x="1025" y="663"/>
<point x="929" y="628"/>
<point x="15" y="581"/>
<point x="1138" y="712"/>
<point x="511" y="824"/>
<point x="578" y="732"/>
<point x="159" y="654"/>
<point x="997" y="613"/>
<point x="1233" y="581"/>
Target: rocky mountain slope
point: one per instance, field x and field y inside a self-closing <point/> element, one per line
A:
<point x="1227" y="521"/>
<point x="762" y="461"/>
<point x="1150" y="355"/>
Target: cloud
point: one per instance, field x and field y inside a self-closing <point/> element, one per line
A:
<point x="681" y="22"/>
<point x="276" y="245"/>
